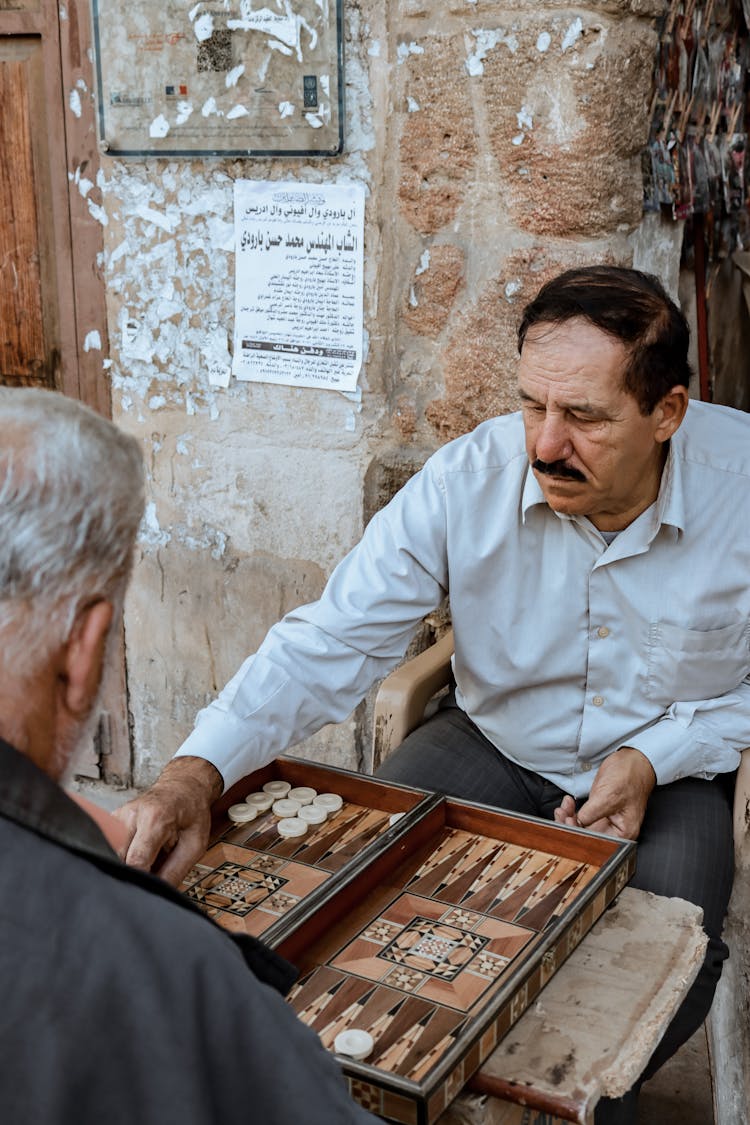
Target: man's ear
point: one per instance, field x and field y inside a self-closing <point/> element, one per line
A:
<point x="669" y="412"/>
<point x="84" y="657"/>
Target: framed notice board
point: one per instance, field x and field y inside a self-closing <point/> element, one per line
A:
<point x="219" y="77"/>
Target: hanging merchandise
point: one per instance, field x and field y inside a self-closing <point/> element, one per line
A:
<point x="695" y="164"/>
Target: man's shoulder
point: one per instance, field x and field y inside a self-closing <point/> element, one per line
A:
<point x="85" y="932"/>
<point x="139" y="978"/>
<point x="715" y="436"/>
<point x="492" y="445"/>
<point x="76" y="900"/>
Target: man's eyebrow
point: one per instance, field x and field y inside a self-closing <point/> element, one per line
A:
<point x="587" y="408"/>
<point x="576" y="407"/>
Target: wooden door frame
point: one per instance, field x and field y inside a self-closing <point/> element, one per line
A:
<point x="86" y="379"/>
<point x="75" y="197"/>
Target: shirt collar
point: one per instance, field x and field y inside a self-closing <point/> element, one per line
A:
<point x="670" y="502"/>
<point x="532" y="493"/>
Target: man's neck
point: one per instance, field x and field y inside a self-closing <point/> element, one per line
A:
<point x="13" y="732"/>
<point x="27" y="721"/>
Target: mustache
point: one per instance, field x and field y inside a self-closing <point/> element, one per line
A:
<point x="557" y="469"/>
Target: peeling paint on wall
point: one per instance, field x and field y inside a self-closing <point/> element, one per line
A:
<point x="93" y="341"/>
<point x="486" y="41"/>
<point x="424" y="263"/>
<point x="83" y="184"/>
<point x="151" y="535"/>
<point x="573" y="34"/>
<point x="97" y="212"/>
<point x="405" y="49"/>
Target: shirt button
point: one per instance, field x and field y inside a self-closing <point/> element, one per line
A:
<point x="602" y="631"/>
<point x="585" y="767"/>
<point x="598" y="700"/>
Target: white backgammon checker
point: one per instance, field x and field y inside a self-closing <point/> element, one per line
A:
<point x="242" y="813"/>
<point x="331" y="802"/>
<point x="290" y="827"/>
<point x="353" y="1043"/>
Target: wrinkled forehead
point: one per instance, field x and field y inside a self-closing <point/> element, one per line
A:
<point x="572" y="357"/>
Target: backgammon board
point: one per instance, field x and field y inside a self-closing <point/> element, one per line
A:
<point x="252" y="881"/>
<point x="432" y="931"/>
<point x="442" y="942"/>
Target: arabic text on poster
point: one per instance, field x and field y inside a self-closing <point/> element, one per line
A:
<point x="299" y="283"/>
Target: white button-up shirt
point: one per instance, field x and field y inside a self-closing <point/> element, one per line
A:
<point x="565" y="648"/>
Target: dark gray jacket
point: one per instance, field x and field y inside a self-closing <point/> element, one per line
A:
<point x="122" y="1003"/>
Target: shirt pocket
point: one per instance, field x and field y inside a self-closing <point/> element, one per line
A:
<point x="688" y="664"/>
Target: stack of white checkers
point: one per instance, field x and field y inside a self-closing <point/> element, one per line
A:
<point x="296" y="809"/>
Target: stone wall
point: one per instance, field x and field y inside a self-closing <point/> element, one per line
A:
<point x="499" y="143"/>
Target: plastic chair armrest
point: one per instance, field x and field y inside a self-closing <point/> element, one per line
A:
<point x="404" y="694"/>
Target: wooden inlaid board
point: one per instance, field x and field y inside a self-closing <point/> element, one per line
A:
<point x="253" y="881"/>
<point x="439" y="945"/>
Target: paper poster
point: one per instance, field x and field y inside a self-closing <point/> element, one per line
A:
<point x="299" y="283"/>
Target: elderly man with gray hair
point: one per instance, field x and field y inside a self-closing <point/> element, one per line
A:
<point x="121" y="1002"/>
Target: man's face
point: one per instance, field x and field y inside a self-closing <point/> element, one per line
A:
<point x="592" y="451"/>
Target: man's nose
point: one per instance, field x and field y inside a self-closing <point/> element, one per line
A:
<point x="553" y="439"/>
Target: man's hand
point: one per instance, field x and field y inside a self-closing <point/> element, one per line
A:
<point x="168" y="825"/>
<point x="617" y="802"/>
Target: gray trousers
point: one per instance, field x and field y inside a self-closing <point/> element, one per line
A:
<point x="685" y="848"/>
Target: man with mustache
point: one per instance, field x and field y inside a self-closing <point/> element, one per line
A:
<point x="596" y="550"/>
<point x="121" y="1001"/>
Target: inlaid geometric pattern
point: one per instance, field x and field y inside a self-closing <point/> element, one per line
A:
<point x="407" y="980"/>
<point x="425" y="955"/>
<point x="246" y="891"/>
<point x="281" y="902"/>
<point x="488" y="965"/>
<point x="434" y="948"/>
<point x="267" y="863"/>
<point x="196" y="872"/>
<point x="432" y="968"/>
<point x="368" y="1096"/>
<point x="233" y="888"/>
<point x="381" y="932"/>
<point x="408" y="1031"/>
<point x="461" y="918"/>
<point x="308" y="866"/>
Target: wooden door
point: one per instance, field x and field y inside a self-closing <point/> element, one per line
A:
<point x="53" y="326"/>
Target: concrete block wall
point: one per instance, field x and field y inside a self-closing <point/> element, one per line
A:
<point x="498" y="143"/>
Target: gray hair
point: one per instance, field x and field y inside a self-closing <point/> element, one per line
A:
<point x="71" y="500"/>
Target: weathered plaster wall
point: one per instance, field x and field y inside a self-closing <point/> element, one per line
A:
<point x="498" y="144"/>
